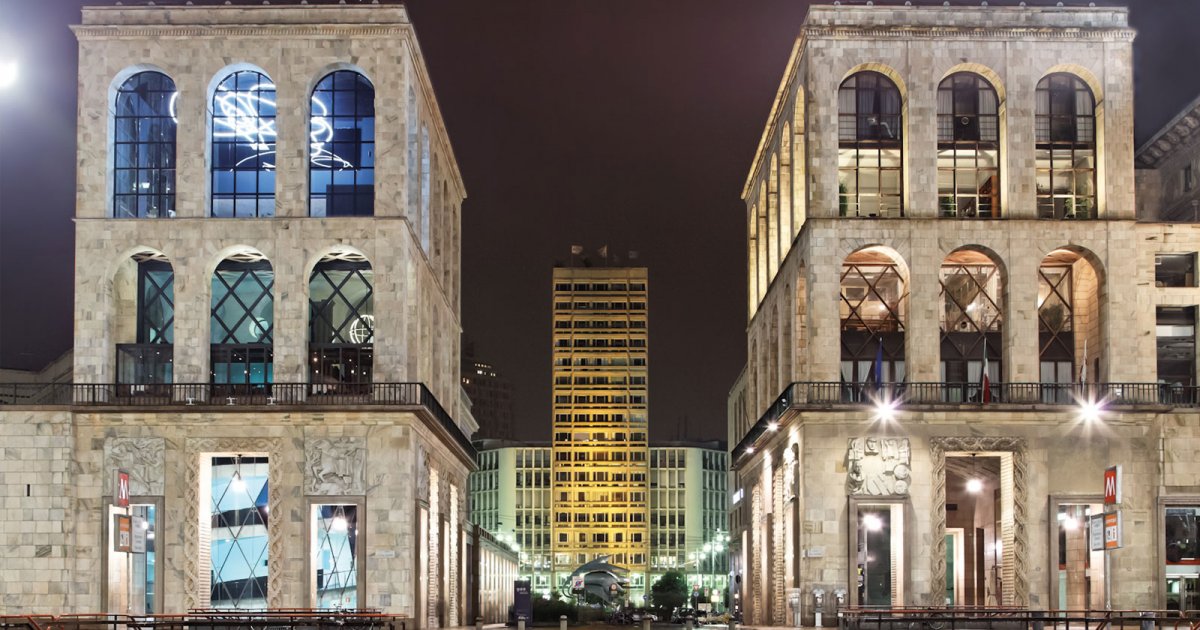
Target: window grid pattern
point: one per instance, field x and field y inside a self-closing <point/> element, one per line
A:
<point x="1065" y="132"/>
<point x="971" y="321"/>
<point x="336" y="561"/>
<point x="341" y="322"/>
<point x="243" y="146"/>
<point x="342" y="135"/>
<point x="242" y="323"/>
<point x="968" y="147"/>
<point x="156" y="306"/>
<point x="874" y="302"/>
<point x="144" y="128"/>
<point x="870" y="170"/>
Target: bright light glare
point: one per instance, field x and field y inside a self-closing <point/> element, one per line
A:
<point x="339" y="524"/>
<point x="237" y="483"/>
<point x="974" y="486"/>
<point x="9" y="71"/>
<point x="1070" y="523"/>
<point x="774" y="426"/>
<point x="885" y="410"/>
<point x="1089" y="411"/>
<point x="872" y="522"/>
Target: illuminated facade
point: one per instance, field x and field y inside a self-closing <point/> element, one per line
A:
<point x="511" y="498"/>
<point x="957" y="321"/>
<point x="266" y="327"/>
<point x="600" y="406"/>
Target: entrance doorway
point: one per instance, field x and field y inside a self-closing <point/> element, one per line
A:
<point x="974" y="509"/>
<point x="1182" y="541"/>
<point x="1079" y="572"/>
<point x="877" y="553"/>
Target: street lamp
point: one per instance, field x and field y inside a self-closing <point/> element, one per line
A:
<point x="9" y="72"/>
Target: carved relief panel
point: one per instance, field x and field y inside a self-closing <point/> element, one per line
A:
<point x="878" y="466"/>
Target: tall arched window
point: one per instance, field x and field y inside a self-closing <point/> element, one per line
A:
<point x="972" y="323"/>
<point x="1066" y="148"/>
<point x="144" y="125"/>
<point x="341" y="323"/>
<point x="341" y="164"/>
<point x="243" y="146"/>
<point x="145" y="282"/>
<point x="874" y="307"/>
<point x="869" y="147"/>
<point x="968" y="147"/>
<point x="242" y="324"/>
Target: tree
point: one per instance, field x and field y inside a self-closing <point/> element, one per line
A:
<point x="669" y="592"/>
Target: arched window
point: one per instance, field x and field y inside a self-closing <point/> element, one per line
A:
<point x="968" y="147"/>
<point x="243" y="146"/>
<point x="341" y="165"/>
<point x="972" y="320"/>
<point x="874" y="307"/>
<point x="1066" y="148"/>
<point x="341" y="323"/>
<point x="869" y="149"/>
<point x="1069" y="295"/>
<point x="145" y="281"/>
<point x="144" y="125"/>
<point x="242" y="324"/>
<point x="425" y="179"/>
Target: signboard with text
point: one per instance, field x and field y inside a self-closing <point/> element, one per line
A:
<point x="1112" y="531"/>
<point x="522" y="600"/>
<point x="122" y="533"/>
<point x="140" y="527"/>
<point x="1096" y="532"/>
<point x="1112" y="485"/>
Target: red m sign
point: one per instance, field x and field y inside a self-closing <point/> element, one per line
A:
<point x="121" y="495"/>
<point x="1112" y="485"/>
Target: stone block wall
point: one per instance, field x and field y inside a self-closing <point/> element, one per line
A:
<point x="36" y="531"/>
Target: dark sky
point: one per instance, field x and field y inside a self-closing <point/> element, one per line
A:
<point x="629" y="123"/>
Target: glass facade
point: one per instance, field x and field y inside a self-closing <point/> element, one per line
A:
<point x="968" y="148"/>
<point x="238" y="551"/>
<point x="1065" y="134"/>
<point x="341" y="324"/>
<point x="144" y="127"/>
<point x="243" y="146"/>
<point x="341" y="165"/>
<point x="242" y="325"/>
<point x="869" y="147"/>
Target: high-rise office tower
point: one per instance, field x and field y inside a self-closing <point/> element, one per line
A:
<point x="600" y="407"/>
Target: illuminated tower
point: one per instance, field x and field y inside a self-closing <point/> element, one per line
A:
<point x="600" y="408"/>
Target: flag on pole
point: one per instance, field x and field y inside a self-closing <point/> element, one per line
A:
<point x="1083" y="366"/>
<point x="604" y="252"/>
<point x="985" y="383"/>
<point x="877" y="368"/>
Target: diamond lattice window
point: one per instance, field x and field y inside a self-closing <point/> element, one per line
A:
<point x="238" y="528"/>
<point x="971" y="319"/>
<point x="242" y="322"/>
<point x="341" y="321"/>
<point x="874" y="300"/>
<point x="335" y="555"/>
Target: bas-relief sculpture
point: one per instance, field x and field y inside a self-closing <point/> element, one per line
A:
<point x="335" y="466"/>
<point x="142" y="458"/>
<point x="878" y="466"/>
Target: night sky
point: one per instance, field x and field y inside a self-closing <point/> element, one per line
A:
<point x="627" y="123"/>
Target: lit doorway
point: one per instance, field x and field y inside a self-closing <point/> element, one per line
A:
<point x="878" y="553"/>
<point x="1182" y="558"/>
<point x="974" y="507"/>
<point x="1077" y="581"/>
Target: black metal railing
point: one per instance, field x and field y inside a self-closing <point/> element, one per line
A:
<point x="233" y="397"/>
<point x="276" y="619"/>
<point x="1012" y="618"/>
<point x="900" y="395"/>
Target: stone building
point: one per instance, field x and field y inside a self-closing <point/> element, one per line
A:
<point x="687" y="493"/>
<point x="1168" y="170"/>
<point x="956" y="323"/>
<point x="266" y="326"/>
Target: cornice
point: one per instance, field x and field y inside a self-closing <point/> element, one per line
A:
<point x="142" y="31"/>
<point x="970" y="32"/>
<point x="1181" y="132"/>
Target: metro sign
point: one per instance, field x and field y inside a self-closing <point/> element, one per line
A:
<point x="121" y="495"/>
<point x="1112" y="485"/>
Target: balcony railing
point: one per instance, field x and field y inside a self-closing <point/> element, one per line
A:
<point x="228" y="397"/>
<point x="901" y="395"/>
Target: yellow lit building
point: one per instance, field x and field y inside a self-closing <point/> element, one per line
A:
<point x="600" y="454"/>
